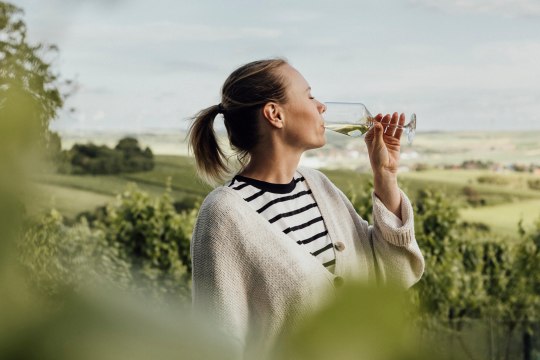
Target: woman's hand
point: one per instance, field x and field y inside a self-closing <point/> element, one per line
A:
<point x="383" y="146"/>
<point x="383" y="142"/>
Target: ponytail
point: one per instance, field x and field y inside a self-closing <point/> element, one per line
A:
<point x="243" y="95"/>
<point x="210" y="160"/>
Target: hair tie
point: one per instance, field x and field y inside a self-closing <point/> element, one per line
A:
<point x="220" y="109"/>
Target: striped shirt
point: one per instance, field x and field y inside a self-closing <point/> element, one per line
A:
<point x="293" y="210"/>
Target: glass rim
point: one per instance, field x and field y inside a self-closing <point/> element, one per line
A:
<point x="344" y="103"/>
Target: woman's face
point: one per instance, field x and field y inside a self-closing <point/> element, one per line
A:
<point x="303" y="121"/>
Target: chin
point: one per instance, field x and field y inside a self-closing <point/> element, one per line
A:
<point x="320" y="144"/>
<point x="323" y="140"/>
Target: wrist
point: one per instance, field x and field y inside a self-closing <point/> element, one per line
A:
<point x="389" y="195"/>
<point x="385" y="179"/>
<point x="387" y="190"/>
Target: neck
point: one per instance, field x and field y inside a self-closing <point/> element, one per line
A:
<point x="272" y="165"/>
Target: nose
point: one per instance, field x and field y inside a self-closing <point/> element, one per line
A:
<point x="322" y="107"/>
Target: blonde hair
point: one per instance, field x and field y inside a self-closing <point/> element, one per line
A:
<point x="243" y="95"/>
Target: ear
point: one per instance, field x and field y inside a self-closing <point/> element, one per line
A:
<point x="273" y="113"/>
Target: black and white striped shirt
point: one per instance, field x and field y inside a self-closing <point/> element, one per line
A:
<point x="292" y="208"/>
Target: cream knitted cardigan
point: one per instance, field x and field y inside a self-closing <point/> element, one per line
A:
<point x="252" y="279"/>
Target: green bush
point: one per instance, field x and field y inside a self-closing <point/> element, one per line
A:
<point x="534" y="184"/>
<point x="133" y="157"/>
<point x="361" y="201"/>
<point x="136" y="243"/>
<point x="127" y="156"/>
<point x="436" y="219"/>
<point x="472" y="276"/>
<point x="422" y="167"/>
<point x="93" y="159"/>
<point x="187" y="203"/>
<point x="473" y="196"/>
<point x="476" y="164"/>
<point x="493" y="180"/>
<point x="153" y="239"/>
<point x="57" y="257"/>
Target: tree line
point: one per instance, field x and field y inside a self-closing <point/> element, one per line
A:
<point x="127" y="156"/>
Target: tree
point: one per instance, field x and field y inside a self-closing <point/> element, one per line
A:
<point x="94" y="159"/>
<point x="127" y="156"/>
<point x="523" y="303"/>
<point x="134" y="158"/>
<point x="30" y="94"/>
<point x="30" y="98"/>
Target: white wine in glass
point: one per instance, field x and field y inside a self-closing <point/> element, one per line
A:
<point x="354" y="119"/>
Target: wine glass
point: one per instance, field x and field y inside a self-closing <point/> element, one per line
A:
<point x="354" y="119"/>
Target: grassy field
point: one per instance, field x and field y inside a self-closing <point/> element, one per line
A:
<point x="504" y="218"/>
<point x="505" y="202"/>
<point x="72" y="194"/>
<point x="68" y="200"/>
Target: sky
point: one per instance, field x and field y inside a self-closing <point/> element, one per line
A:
<point x="139" y="65"/>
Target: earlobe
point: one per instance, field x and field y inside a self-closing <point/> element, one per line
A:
<point x="281" y="121"/>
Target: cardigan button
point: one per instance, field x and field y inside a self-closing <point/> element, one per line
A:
<point x="338" y="281"/>
<point x="339" y="246"/>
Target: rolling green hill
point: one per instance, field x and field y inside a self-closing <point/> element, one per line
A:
<point x="506" y="197"/>
<point x="71" y="194"/>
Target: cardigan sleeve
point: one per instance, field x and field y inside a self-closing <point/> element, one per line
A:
<point x="396" y="257"/>
<point x="396" y="251"/>
<point x="218" y="278"/>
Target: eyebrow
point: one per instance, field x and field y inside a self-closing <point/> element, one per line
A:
<point x="309" y="88"/>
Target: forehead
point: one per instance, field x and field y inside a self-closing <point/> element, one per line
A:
<point x="295" y="80"/>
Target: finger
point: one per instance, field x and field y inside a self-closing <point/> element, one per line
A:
<point x="377" y="118"/>
<point x="393" y="124"/>
<point x="399" y="130"/>
<point x="369" y="135"/>
<point x="385" y="121"/>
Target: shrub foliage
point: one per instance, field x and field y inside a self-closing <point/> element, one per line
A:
<point x="136" y="242"/>
<point x="127" y="156"/>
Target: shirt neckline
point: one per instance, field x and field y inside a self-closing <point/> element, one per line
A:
<point x="267" y="186"/>
<point x="317" y="264"/>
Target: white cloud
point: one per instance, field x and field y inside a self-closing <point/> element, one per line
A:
<point x="507" y="66"/>
<point x="294" y="16"/>
<point x="168" y="32"/>
<point x="98" y="115"/>
<point x="512" y="8"/>
<point x="516" y="53"/>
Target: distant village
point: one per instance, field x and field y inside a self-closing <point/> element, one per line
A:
<point x="356" y="158"/>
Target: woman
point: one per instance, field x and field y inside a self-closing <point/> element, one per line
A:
<point x="270" y="245"/>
